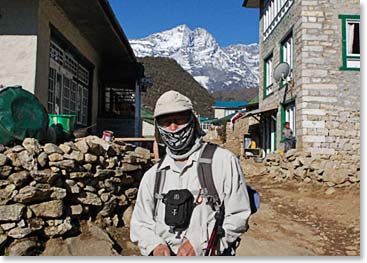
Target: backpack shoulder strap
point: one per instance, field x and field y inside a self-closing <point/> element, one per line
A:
<point x="205" y="174"/>
<point x="158" y="184"/>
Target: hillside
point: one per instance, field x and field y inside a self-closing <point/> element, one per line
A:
<point x="236" y="95"/>
<point x="225" y="72"/>
<point x="167" y="74"/>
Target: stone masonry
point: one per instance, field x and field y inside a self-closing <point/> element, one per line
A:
<point x="47" y="191"/>
<point x="327" y="99"/>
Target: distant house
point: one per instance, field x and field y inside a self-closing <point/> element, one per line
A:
<point x="75" y="57"/>
<point x="147" y="122"/>
<point x="225" y="108"/>
<point x="321" y="96"/>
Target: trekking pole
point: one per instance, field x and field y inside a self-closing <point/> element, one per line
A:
<point x="217" y="233"/>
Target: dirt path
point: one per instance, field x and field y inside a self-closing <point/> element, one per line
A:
<point x="299" y="219"/>
<point x="295" y="219"/>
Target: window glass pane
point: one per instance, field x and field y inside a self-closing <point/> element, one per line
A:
<point x="290" y="116"/>
<point x="353" y="38"/>
<point x="287" y="53"/>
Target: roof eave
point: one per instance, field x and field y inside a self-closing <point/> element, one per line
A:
<point x="116" y="25"/>
<point x="251" y="3"/>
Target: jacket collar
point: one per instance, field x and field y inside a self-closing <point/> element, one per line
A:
<point x="168" y="161"/>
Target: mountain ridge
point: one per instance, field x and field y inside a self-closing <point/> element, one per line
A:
<point x="230" y="69"/>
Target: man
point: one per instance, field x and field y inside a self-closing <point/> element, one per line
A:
<point x="288" y="137"/>
<point x="178" y="128"/>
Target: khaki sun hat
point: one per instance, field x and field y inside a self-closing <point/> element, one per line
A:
<point x="172" y="102"/>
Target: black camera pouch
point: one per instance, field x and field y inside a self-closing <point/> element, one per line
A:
<point x="179" y="207"/>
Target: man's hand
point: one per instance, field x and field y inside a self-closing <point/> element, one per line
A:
<point x="186" y="249"/>
<point x="161" y="250"/>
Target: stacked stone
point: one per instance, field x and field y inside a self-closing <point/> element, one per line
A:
<point x="46" y="190"/>
<point x="329" y="170"/>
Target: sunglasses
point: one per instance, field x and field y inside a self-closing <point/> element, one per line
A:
<point x="178" y="119"/>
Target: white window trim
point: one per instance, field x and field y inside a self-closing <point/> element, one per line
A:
<point x="274" y="11"/>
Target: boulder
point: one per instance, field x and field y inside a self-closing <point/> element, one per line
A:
<point x="51" y="209"/>
<point x="20" y="232"/>
<point x="93" y="241"/>
<point x="8" y="226"/>
<point x="75" y="155"/>
<point x="19" y="179"/>
<point x="90" y="158"/>
<point x="57" y="230"/>
<point x="55" y="157"/>
<point x="7" y="194"/>
<point x="15" y="161"/>
<point x="11" y="212"/>
<point x="143" y="152"/>
<point x="79" y="175"/>
<point x="46" y="176"/>
<point x="82" y="146"/>
<point x="330" y="191"/>
<point x="30" y="194"/>
<point x="126" y="217"/>
<point x="31" y="145"/>
<point x="58" y="193"/>
<point x="336" y="176"/>
<point x="25" y="247"/>
<point x="3" y="241"/>
<point x="76" y="210"/>
<point x="131" y="193"/>
<point x="126" y="167"/>
<point x="65" y="148"/>
<point x="51" y="148"/>
<point x="103" y="173"/>
<point x="88" y="198"/>
<point x="3" y="159"/>
<point x="64" y="164"/>
<point x="42" y="159"/>
<point x="5" y="171"/>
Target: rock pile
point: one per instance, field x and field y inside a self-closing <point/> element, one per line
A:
<point x="331" y="170"/>
<point x="46" y="190"/>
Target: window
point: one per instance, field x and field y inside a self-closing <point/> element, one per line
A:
<point x="274" y="11"/>
<point x="268" y="76"/>
<point x="68" y="85"/>
<point x="350" y="42"/>
<point x="118" y="102"/>
<point x="289" y="115"/>
<point x="269" y="135"/>
<point x="286" y="54"/>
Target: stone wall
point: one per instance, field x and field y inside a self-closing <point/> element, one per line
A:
<point x="328" y="170"/>
<point x="46" y="191"/>
<point x="327" y="98"/>
<point x="329" y="102"/>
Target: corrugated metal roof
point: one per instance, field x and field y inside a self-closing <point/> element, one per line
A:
<point x="230" y="104"/>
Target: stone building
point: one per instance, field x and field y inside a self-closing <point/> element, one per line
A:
<point x="319" y="39"/>
<point x="75" y="57"/>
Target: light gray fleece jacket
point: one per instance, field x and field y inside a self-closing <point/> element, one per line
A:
<point x="150" y="231"/>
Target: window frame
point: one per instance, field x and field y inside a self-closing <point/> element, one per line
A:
<point x="283" y="117"/>
<point x="288" y="36"/>
<point x="269" y="57"/>
<point x="75" y="84"/>
<point x="273" y="13"/>
<point x="345" y="57"/>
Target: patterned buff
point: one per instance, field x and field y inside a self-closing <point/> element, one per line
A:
<point x="180" y="141"/>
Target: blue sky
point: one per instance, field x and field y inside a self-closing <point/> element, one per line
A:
<point x="226" y="20"/>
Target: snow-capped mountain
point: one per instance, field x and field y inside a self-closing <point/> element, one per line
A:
<point x="214" y="67"/>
